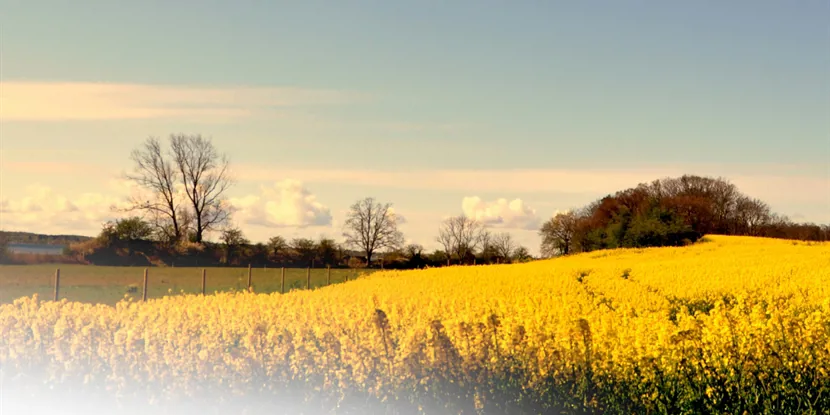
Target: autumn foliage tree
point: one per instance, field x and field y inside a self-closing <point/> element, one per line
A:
<point x="668" y="212"/>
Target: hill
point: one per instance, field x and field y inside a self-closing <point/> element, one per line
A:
<point x="36" y="238"/>
<point x="727" y="325"/>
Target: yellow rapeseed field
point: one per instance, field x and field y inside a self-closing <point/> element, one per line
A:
<point x="728" y="325"/>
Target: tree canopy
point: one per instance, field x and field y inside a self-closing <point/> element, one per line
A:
<point x="668" y="212"/>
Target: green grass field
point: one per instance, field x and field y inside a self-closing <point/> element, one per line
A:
<point x="108" y="285"/>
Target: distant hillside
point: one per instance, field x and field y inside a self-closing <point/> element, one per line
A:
<point x="35" y="238"/>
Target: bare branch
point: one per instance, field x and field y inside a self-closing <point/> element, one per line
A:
<point x="461" y="236"/>
<point x="204" y="174"/>
<point x="504" y="245"/>
<point x="372" y="226"/>
<point x="154" y="173"/>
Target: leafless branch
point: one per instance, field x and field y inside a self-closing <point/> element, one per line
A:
<point x="205" y="176"/>
<point x="372" y="226"/>
<point x="156" y="174"/>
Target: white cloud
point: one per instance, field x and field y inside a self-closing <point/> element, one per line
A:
<point x="513" y="214"/>
<point x="43" y="208"/>
<point x="286" y="204"/>
<point x="55" y="101"/>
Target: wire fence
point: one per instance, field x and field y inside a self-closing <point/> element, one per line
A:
<point x="112" y="284"/>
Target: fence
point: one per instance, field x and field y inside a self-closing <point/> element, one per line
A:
<point x="110" y="287"/>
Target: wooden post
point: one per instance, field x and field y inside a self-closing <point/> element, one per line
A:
<point x="204" y="280"/>
<point x="308" y="278"/>
<point x="249" y="278"/>
<point x="57" y="283"/>
<point x="144" y="293"/>
<point x="282" y="286"/>
<point x="328" y="275"/>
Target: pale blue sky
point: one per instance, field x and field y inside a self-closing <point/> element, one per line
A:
<point x="638" y="89"/>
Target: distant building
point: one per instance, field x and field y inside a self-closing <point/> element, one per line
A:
<point x="35" y="249"/>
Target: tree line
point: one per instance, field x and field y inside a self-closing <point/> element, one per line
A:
<point x="185" y="182"/>
<point x="371" y="239"/>
<point x="669" y="212"/>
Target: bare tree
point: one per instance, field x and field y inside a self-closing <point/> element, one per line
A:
<point x="750" y="215"/>
<point x="204" y="173"/>
<point x="157" y="174"/>
<point x="558" y="234"/>
<point x="371" y="226"/>
<point x="461" y="235"/>
<point x="446" y="240"/>
<point x="504" y="245"/>
<point x="485" y="245"/>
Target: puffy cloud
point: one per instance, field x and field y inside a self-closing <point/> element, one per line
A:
<point x="514" y="214"/>
<point x="287" y="204"/>
<point x="44" y="210"/>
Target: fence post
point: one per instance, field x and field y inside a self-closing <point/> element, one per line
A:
<point x="144" y="293"/>
<point x="308" y="278"/>
<point x="249" y="278"/>
<point x="204" y="280"/>
<point x="57" y="283"/>
<point x="282" y="286"/>
<point x="328" y="275"/>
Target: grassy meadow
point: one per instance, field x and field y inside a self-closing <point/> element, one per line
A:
<point x="730" y="325"/>
<point x="108" y="285"/>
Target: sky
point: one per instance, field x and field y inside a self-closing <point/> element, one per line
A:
<point x="505" y="111"/>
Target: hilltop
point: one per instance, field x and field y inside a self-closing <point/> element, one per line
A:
<point x="17" y="237"/>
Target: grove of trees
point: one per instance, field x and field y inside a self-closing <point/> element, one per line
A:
<point x="669" y="212"/>
<point x="185" y="186"/>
